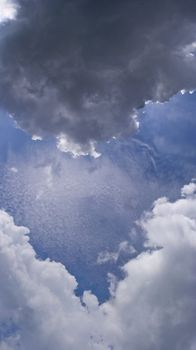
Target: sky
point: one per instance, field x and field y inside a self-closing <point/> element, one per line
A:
<point x="97" y="175"/>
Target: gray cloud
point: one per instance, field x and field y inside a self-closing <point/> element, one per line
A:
<point x="81" y="67"/>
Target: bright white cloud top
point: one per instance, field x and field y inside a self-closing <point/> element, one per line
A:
<point x="156" y="301"/>
<point x="8" y="10"/>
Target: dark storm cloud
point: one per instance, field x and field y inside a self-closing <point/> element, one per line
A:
<point x="81" y="67"/>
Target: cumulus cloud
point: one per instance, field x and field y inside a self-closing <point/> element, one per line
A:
<point x="8" y="10"/>
<point x="80" y="68"/>
<point x="68" y="146"/>
<point x="38" y="307"/>
<point x="189" y="189"/>
<point x="154" y="307"/>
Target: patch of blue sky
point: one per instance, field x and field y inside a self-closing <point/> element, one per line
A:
<point x="171" y="125"/>
<point x="8" y="329"/>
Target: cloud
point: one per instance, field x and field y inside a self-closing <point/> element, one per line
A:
<point x="37" y="298"/>
<point x="189" y="189"/>
<point x="8" y="10"/>
<point x="124" y="249"/>
<point x="153" y="308"/>
<point x="68" y="146"/>
<point x="80" y="68"/>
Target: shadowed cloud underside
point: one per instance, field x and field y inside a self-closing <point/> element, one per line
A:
<point x="79" y="69"/>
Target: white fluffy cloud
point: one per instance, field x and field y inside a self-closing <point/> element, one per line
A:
<point x="154" y="307"/>
<point x="66" y="145"/>
<point x="37" y="300"/>
<point x="8" y="10"/>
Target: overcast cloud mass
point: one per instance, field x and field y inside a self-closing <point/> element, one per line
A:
<point x="78" y="69"/>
